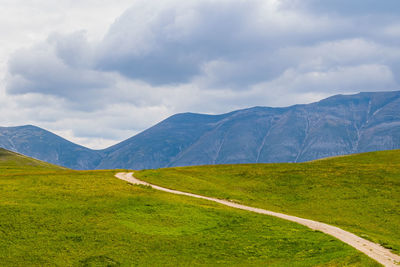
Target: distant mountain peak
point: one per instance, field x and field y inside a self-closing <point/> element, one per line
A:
<point x="337" y="125"/>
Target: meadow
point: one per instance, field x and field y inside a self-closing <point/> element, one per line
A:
<point x="359" y="193"/>
<point x="50" y="216"/>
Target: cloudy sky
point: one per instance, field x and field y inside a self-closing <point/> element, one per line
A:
<point x="97" y="72"/>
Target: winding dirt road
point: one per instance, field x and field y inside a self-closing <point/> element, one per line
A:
<point x="374" y="251"/>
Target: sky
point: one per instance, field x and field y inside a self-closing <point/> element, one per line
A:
<point x="98" y="72"/>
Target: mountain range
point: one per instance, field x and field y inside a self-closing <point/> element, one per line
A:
<point x="338" y="125"/>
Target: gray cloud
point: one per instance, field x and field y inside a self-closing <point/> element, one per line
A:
<point x="60" y="66"/>
<point x="227" y="44"/>
<point x="349" y="8"/>
<point x="170" y="43"/>
<point x="217" y="43"/>
<point x="177" y="42"/>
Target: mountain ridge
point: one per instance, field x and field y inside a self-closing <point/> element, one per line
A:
<point x="44" y="145"/>
<point x="337" y="125"/>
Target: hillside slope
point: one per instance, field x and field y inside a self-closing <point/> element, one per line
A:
<point x="90" y="218"/>
<point x="358" y="193"/>
<point x="13" y="163"/>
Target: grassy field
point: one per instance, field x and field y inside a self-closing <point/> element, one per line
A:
<point x="13" y="163"/>
<point x="56" y="217"/>
<point x="359" y="193"/>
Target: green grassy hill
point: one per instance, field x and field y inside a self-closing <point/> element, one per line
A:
<point x="12" y="163"/>
<point x="56" y="217"/>
<point x="359" y="193"/>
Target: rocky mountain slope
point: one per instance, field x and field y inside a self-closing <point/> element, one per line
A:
<point x="43" y="145"/>
<point x="334" y="126"/>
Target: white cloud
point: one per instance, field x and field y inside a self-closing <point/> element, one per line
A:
<point x="336" y="80"/>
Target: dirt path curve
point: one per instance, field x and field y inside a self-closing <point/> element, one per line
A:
<point x="374" y="251"/>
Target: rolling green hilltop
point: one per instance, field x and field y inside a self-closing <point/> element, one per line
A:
<point x="12" y="163"/>
<point x="51" y="216"/>
<point x="359" y="193"/>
